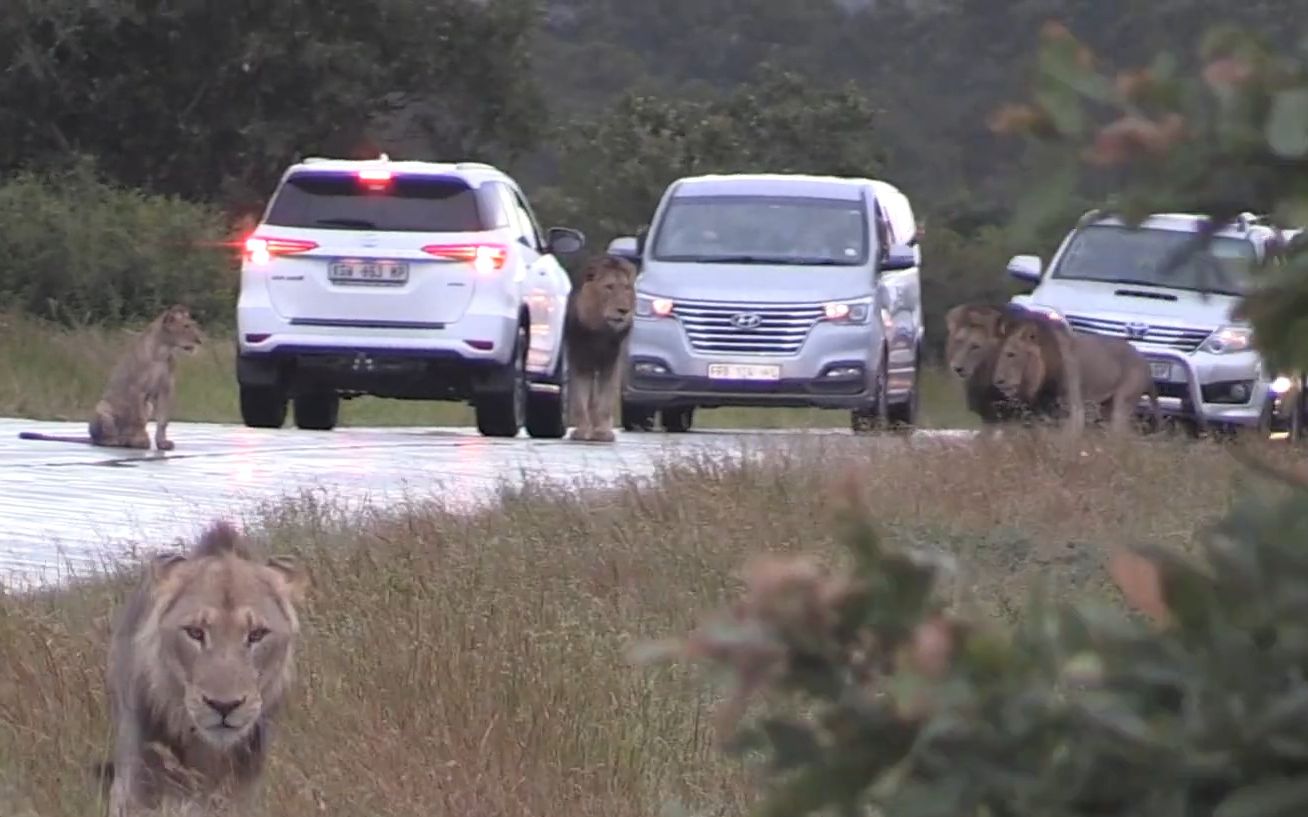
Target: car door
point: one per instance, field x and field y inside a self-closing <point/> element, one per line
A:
<point x="545" y="285"/>
<point x="900" y="293"/>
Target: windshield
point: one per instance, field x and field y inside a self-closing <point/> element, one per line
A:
<point x="339" y="201"/>
<point x="1120" y="255"/>
<point x="763" y="230"/>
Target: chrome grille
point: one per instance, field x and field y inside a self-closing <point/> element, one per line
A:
<point x="781" y="328"/>
<point x="1179" y="338"/>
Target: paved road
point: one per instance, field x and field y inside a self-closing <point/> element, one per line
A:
<point x="64" y="506"/>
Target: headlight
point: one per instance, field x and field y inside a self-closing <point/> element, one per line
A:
<point x="649" y="307"/>
<point x="848" y="311"/>
<point x="1047" y="311"/>
<point x="1282" y="384"/>
<point x="1228" y="339"/>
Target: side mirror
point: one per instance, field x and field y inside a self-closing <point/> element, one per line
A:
<point x="564" y="240"/>
<point x="625" y="247"/>
<point x="1026" y="268"/>
<point x="900" y="257"/>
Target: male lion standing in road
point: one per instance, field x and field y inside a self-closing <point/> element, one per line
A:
<point x="141" y="387"/>
<point x="974" y="332"/>
<point x="199" y="663"/>
<point x="596" y="328"/>
<point x="1110" y="373"/>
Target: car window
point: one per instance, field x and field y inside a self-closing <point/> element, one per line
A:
<point x="341" y="201"/>
<point x="532" y="229"/>
<point x="521" y="229"/>
<point x="764" y="230"/>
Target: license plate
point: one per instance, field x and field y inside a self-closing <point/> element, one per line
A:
<point x="375" y="272"/>
<point x="743" y="371"/>
<point x="1161" y="371"/>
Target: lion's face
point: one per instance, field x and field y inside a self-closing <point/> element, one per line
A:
<point x="180" y="330"/>
<point x="968" y="346"/>
<point x="1019" y="361"/>
<point x="608" y="294"/>
<point x="225" y="640"/>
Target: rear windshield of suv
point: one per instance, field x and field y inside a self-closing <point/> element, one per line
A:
<point x="340" y="201"/>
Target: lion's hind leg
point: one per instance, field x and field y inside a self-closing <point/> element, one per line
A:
<point x="604" y="397"/>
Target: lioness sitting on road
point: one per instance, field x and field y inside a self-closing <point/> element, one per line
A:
<point x="974" y="332"/>
<point x="596" y="328"/>
<point x="1035" y="355"/>
<point x="141" y="387"/>
<point x="200" y="660"/>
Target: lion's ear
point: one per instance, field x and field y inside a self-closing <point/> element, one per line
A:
<point x="953" y="317"/>
<point x="293" y="575"/>
<point x="163" y="565"/>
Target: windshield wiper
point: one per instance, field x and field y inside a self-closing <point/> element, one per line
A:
<point x="361" y="223"/>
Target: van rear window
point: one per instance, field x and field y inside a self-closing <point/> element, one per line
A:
<point x="340" y="201"/>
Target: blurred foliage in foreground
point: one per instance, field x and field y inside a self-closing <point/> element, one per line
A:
<point x="881" y="698"/>
<point x="1229" y="137"/>
<point x="1198" y="708"/>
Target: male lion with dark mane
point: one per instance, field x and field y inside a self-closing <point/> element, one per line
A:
<point x="141" y="387"/>
<point x="200" y="660"/>
<point x="974" y="332"/>
<point x="595" y="332"/>
<point x="1036" y="363"/>
<point x="1109" y="372"/>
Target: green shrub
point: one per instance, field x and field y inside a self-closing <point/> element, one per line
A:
<point x="78" y="250"/>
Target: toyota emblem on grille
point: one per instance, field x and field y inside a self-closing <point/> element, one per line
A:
<point x="746" y="320"/>
<point x="1136" y="331"/>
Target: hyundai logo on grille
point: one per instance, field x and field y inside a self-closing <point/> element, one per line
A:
<point x="1137" y="331"/>
<point x="746" y="320"/>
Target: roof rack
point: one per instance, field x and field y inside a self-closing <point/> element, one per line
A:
<point x="473" y="166"/>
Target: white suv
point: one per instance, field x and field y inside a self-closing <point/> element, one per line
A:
<point x="409" y="280"/>
<point x="1107" y="279"/>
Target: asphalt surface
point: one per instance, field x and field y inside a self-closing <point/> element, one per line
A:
<point x="66" y="508"/>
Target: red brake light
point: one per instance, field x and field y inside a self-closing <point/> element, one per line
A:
<point x="260" y="249"/>
<point x="487" y="258"/>
<point x="374" y="175"/>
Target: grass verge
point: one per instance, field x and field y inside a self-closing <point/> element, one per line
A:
<point x="475" y="664"/>
<point x="48" y="372"/>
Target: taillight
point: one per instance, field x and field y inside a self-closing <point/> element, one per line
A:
<point x="485" y="258"/>
<point x="260" y="249"/>
<point x="375" y="179"/>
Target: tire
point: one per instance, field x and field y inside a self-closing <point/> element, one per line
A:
<point x="317" y="412"/>
<point x="903" y="416"/>
<point x="872" y="418"/>
<point x="503" y="413"/>
<point x="263" y="406"/>
<point x="1297" y="431"/>
<point x="636" y="418"/>
<point x="547" y="414"/>
<point x="677" y="420"/>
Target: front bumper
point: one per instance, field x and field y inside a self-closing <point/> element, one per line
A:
<point x="1212" y="390"/>
<point x="833" y="368"/>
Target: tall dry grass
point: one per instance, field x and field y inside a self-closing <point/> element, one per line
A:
<point x="474" y="665"/>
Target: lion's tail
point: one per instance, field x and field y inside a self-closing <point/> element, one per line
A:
<point x="103" y="772"/>
<point x="1153" y="403"/>
<point x="55" y="438"/>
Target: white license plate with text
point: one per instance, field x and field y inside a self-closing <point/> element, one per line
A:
<point x="372" y="271"/>
<point x="743" y="371"/>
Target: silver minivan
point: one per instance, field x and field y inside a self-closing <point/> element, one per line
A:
<point x="775" y="290"/>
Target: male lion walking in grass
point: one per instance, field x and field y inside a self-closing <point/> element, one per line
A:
<point x="141" y="387"/>
<point x="595" y="332"/>
<point x="200" y="662"/>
